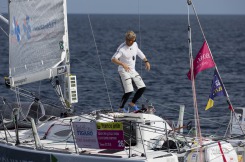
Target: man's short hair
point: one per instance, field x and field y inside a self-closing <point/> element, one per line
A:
<point x="130" y="35"/>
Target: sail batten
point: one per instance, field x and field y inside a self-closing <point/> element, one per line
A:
<point x="36" y="39"/>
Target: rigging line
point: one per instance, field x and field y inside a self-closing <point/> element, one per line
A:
<point x="139" y="34"/>
<point x="193" y="84"/>
<point x="216" y="132"/>
<point x="17" y="92"/>
<point x="116" y="80"/>
<point x="39" y="89"/>
<point x="87" y="65"/>
<point x="154" y="130"/>
<point x="198" y="21"/>
<point x="227" y="95"/>
<point x="190" y="52"/>
<point x="113" y="79"/>
<point x="100" y="61"/>
<point x="139" y="22"/>
<point x="46" y="101"/>
<point x="208" y="47"/>
<point x="4" y="31"/>
<point x="141" y="62"/>
<point x="142" y="96"/>
<point x="58" y="91"/>
<point x="228" y="128"/>
<point x="8" y="135"/>
<point x="184" y="113"/>
<point x="192" y="78"/>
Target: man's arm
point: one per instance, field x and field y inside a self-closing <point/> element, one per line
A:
<point x="118" y="62"/>
<point x="147" y="64"/>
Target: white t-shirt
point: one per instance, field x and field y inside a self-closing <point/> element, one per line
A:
<point x="128" y="55"/>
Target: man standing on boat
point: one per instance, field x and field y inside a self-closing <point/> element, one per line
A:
<point x="125" y="57"/>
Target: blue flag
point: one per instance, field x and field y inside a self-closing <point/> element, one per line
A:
<point x="217" y="89"/>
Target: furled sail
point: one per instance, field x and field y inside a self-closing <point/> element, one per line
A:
<point x="38" y="40"/>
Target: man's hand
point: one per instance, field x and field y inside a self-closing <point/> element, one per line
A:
<point x="147" y="66"/>
<point x="126" y="68"/>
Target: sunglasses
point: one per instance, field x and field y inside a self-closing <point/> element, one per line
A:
<point x="131" y="40"/>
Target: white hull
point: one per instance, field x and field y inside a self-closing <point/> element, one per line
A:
<point x="22" y="154"/>
<point x="58" y="143"/>
<point x="62" y="147"/>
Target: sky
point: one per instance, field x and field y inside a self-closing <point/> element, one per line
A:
<point x="155" y="6"/>
<point x="220" y="7"/>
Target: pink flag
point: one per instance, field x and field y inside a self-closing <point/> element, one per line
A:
<point x="202" y="61"/>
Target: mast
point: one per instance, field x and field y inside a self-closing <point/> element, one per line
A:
<point x="70" y="83"/>
<point x="196" y="114"/>
<point x="216" y="68"/>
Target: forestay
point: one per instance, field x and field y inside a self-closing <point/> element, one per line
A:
<point x="38" y="40"/>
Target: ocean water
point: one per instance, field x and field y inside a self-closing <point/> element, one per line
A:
<point x="164" y="40"/>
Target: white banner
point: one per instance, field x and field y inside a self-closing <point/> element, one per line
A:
<point x="86" y="134"/>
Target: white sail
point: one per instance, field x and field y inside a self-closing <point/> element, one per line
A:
<point x="38" y="40"/>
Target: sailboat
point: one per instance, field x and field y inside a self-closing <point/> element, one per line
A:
<point x="39" y="49"/>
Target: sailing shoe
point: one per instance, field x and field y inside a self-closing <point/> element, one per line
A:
<point x="122" y="110"/>
<point x="135" y="107"/>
